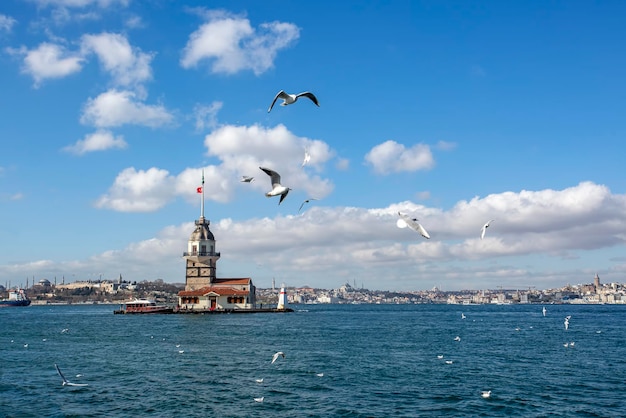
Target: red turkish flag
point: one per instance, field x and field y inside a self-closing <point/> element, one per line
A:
<point x="199" y="189"/>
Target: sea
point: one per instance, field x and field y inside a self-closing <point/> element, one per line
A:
<point x="422" y="360"/>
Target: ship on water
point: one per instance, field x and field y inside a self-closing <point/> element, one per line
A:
<point x="17" y="297"/>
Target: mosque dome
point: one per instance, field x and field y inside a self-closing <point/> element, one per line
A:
<point x="44" y="282"/>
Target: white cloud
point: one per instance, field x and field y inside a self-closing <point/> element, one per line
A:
<point x="138" y="191"/>
<point x="118" y="107"/>
<point x="206" y="116"/>
<point x="241" y="150"/>
<point x="128" y="66"/>
<point x="81" y="3"/>
<point x="328" y="246"/>
<point x="391" y="157"/>
<point x="48" y="61"/>
<point x="232" y="44"/>
<point x="100" y="140"/>
<point x="6" y="23"/>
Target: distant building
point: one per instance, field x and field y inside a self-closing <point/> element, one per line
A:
<point x="203" y="289"/>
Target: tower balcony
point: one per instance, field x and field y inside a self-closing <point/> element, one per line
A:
<point x="201" y="254"/>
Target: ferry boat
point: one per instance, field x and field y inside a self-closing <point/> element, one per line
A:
<point x="16" y="298"/>
<point x="143" y="306"/>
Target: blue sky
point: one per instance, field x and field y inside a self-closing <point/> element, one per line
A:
<point x="452" y="112"/>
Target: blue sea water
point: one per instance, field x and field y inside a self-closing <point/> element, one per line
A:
<point x="376" y="360"/>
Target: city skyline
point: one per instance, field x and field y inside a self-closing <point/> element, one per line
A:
<point x="454" y="114"/>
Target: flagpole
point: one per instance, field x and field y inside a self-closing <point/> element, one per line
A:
<point x="202" y="203"/>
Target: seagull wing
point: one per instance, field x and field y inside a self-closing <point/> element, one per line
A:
<point x="283" y="196"/>
<point x="281" y="95"/>
<point x="65" y="381"/>
<point x="309" y="95"/>
<point x="274" y="176"/>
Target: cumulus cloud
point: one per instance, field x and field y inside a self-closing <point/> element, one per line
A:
<point x="138" y="191"/>
<point x="391" y="157"/>
<point x="119" y="107"/>
<point x="231" y="44"/>
<point x="48" y="61"/>
<point x="241" y="151"/>
<point x="100" y="140"/>
<point x="328" y="246"/>
<point x="128" y="66"/>
<point x="6" y="23"/>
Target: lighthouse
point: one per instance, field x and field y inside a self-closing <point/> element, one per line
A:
<point x="201" y="257"/>
<point x="282" y="298"/>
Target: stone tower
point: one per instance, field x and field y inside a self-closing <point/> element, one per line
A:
<point x="201" y="257"/>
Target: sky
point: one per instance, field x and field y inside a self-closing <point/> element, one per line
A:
<point x="451" y="112"/>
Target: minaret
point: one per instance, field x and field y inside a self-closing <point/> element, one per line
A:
<point x="201" y="257"/>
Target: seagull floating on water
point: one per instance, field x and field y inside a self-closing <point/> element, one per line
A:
<point x="412" y="223"/>
<point x="259" y="380"/>
<point x="449" y="361"/>
<point x="484" y="229"/>
<point x="457" y="338"/>
<point x="67" y="382"/>
<point x="306" y="201"/>
<point x="246" y="179"/>
<point x="440" y="356"/>
<point x="277" y="188"/>
<point x="292" y="98"/>
<point x="485" y="393"/>
<point x="259" y="399"/>
<point x="276" y="355"/>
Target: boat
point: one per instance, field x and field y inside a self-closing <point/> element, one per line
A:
<point x="16" y="298"/>
<point x="143" y="306"/>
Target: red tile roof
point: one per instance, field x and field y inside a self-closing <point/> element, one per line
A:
<point x="219" y="290"/>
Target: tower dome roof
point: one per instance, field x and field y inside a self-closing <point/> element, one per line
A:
<point x="202" y="231"/>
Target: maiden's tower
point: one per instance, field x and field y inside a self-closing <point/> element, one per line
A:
<point x="204" y="291"/>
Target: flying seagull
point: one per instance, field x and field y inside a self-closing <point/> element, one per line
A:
<point x="277" y="188"/>
<point x="292" y="98"/>
<point x="412" y="223"/>
<point x="484" y="229"/>
<point x="307" y="157"/>
<point x="280" y="353"/>
<point x="246" y="179"/>
<point x="65" y="381"/>
<point x="306" y="201"/>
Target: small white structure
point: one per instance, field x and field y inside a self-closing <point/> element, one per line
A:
<point x="282" y="298"/>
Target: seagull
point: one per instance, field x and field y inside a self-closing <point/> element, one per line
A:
<point x="485" y="393"/>
<point x="292" y="98"/>
<point x="463" y="315"/>
<point x="259" y="380"/>
<point x="181" y="351"/>
<point x="320" y="375"/>
<point x="572" y="344"/>
<point x="566" y="322"/>
<point x="306" y="201"/>
<point x="280" y="353"/>
<point x="412" y="223"/>
<point x="484" y="229"/>
<point x="543" y="311"/>
<point x="259" y="399"/>
<point x="64" y="330"/>
<point x="67" y="382"/>
<point x="440" y="356"/>
<point x="457" y="338"/>
<point x="277" y="188"/>
<point x="307" y="157"/>
<point x="246" y="179"/>
<point x="25" y="345"/>
<point x="449" y="362"/>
